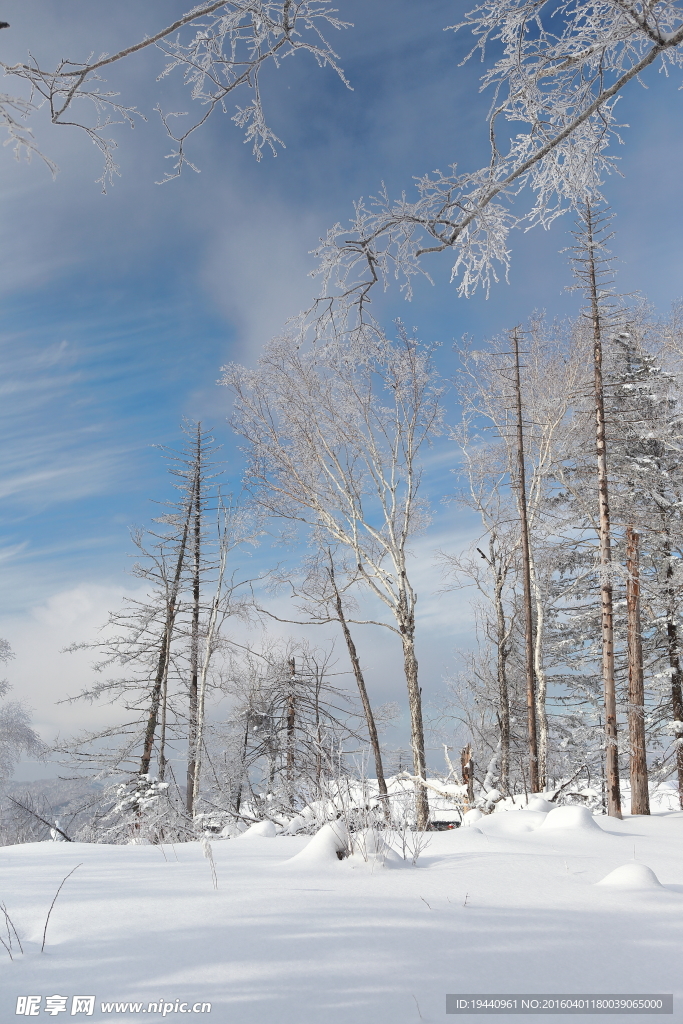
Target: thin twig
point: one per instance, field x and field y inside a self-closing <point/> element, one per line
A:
<point x="9" y="919"/>
<point x="42" y="948"/>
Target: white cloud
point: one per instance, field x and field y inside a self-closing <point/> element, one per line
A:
<point x="41" y="674"/>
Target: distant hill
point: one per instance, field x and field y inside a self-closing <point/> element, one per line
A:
<point x="71" y="801"/>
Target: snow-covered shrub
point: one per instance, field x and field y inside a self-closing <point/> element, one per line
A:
<point x="142" y="812"/>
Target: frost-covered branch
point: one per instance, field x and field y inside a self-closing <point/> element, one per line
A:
<point x="219" y="48"/>
<point x="560" y="74"/>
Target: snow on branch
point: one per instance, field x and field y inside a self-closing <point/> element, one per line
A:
<point x="219" y="47"/>
<point x="552" y="116"/>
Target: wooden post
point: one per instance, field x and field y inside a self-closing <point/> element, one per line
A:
<point x="640" y="796"/>
<point x="526" y="580"/>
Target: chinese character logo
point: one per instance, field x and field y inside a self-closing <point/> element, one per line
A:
<point x="83" y="1004"/>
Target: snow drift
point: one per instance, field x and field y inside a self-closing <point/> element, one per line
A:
<point x="571" y="817"/>
<point x="329" y="845"/>
<point x="632" y="876"/>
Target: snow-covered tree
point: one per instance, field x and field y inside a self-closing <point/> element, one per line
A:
<point x="16" y="735"/>
<point x="334" y="435"/>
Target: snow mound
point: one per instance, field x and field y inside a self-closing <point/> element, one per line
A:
<point x="570" y="817"/>
<point x="469" y="817"/>
<point x="233" y="829"/>
<point x="512" y="822"/>
<point x="293" y="826"/>
<point x="260" y="828"/>
<point x="539" y="803"/>
<point x="632" y="876"/>
<point x="325" y="847"/>
<point x="369" y="851"/>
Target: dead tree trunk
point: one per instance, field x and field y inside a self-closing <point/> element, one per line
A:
<point x="607" y="615"/>
<point x="245" y="747"/>
<point x="499" y="566"/>
<point x="362" y="690"/>
<point x="467" y="766"/>
<point x="640" y="796"/>
<point x="161" y="678"/>
<point x="194" y="636"/>
<point x="526" y="579"/>
<point x="291" y="722"/>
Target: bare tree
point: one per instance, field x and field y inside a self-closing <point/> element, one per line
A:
<point x="323" y="596"/>
<point x="591" y="267"/>
<point x="334" y="434"/>
<point x="290" y="724"/>
<point x="162" y="642"/>
<point x="488" y="435"/>
<point x="520" y="487"/>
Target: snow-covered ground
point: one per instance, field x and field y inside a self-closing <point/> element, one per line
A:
<point x="509" y="904"/>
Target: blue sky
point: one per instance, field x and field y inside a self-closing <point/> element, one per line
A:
<point x="118" y="310"/>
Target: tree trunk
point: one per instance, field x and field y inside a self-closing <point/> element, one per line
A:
<point x="526" y="579"/>
<point x="208" y="651"/>
<point x="676" y="673"/>
<point x="245" y="744"/>
<point x="467" y="766"/>
<point x="291" y="720"/>
<point x="161" y="678"/>
<point x="501" y="670"/>
<point x="164" y="714"/>
<point x="365" y="700"/>
<point x="194" y="649"/>
<point x="640" y="796"/>
<point x="541" y="681"/>
<point x="416" y="725"/>
<point x="611" y="748"/>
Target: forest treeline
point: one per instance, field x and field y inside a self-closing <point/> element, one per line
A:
<point x="566" y="439"/>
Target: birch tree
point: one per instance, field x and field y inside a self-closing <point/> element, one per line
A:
<point x="334" y="434"/>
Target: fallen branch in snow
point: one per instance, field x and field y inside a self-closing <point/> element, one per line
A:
<point x="427" y="785"/>
<point x="486" y="801"/>
<point x="564" y="785"/>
